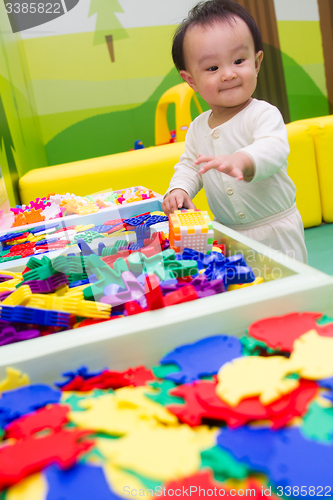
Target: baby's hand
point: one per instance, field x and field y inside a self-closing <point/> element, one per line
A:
<point x="176" y="200"/>
<point x="237" y="165"/>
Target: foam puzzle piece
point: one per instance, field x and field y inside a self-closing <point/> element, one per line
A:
<point x="318" y="423"/>
<point x="127" y="451"/>
<point x="223" y="464"/>
<point x="161" y="394"/>
<point x="293" y="463"/>
<point x="126" y="481"/>
<point x="280" y="332"/>
<point x="33" y="487"/>
<point x="106" y="414"/>
<point x="137" y="398"/>
<point x="202" y="358"/>
<point x="255" y="376"/>
<point x="327" y="383"/>
<point x="83" y="482"/>
<point x="312" y="356"/>
<point x="201" y="403"/>
<point x="72" y="399"/>
<point x="251" y="445"/>
<point x="53" y="417"/>
<point x="33" y="454"/>
<point x="15" y="403"/>
<point x="14" y="379"/>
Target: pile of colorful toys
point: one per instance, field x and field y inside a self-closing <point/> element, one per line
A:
<point x="55" y="236"/>
<point x="70" y="291"/>
<point x="54" y="206"/>
<point x="220" y="417"/>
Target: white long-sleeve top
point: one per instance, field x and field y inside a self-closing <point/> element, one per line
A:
<point x="259" y="131"/>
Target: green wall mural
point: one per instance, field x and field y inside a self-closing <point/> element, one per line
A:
<point x="87" y="83"/>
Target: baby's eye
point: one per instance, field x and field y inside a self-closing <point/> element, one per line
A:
<point x="213" y="68"/>
<point x="238" y="61"/>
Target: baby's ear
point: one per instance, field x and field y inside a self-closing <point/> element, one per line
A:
<point x="188" y="79"/>
<point x="258" y="60"/>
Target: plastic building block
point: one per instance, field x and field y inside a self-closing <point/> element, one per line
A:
<point x="20" y="297"/>
<point x="202" y="358"/>
<point x="10" y="335"/>
<point x="21" y="314"/>
<point x="280" y="332"/>
<point x="15" y="403"/>
<point x="105" y="275"/>
<point x="48" y="285"/>
<point x="190" y="229"/>
<point x="71" y="305"/>
<point x="133" y="291"/>
<point x="14" y="379"/>
<point x="185" y="294"/>
<point x="33" y="454"/>
<point x="312" y="356"/>
<point x="53" y="418"/>
<point x="82" y="481"/>
<point x="255" y="376"/>
<point x="153" y="293"/>
<point x="132" y="308"/>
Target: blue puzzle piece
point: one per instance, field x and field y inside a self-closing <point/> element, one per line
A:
<point x="82" y="371"/>
<point x="15" y="403"/>
<point x="84" y="247"/>
<point x="327" y="383"/>
<point x="203" y="358"/>
<point x="254" y="446"/>
<point x="136" y="221"/>
<point x="298" y="461"/>
<point x="10" y="236"/>
<point x="83" y="482"/>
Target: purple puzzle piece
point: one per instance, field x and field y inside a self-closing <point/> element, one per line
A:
<point x="15" y="403"/>
<point x="251" y="445"/>
<point x="203" y="358"/>
<point x="83" y="481"/>
<point x="134" y="291"/>
<point x="298" y="461"/>
<point x="5" y="277"/>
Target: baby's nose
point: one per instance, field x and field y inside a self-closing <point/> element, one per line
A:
<point x="228" y="74"/>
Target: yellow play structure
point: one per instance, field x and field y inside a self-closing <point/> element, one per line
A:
<point x="311" y="144"/>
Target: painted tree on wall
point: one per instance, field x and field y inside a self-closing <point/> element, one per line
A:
<point x="271" y="82"/>
<point x="108" y="28"/>
<point x="6" y="147"/>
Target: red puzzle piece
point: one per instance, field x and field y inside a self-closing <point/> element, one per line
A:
<point x="203" y="403"/>
<point x="31" y="455"/>
<point x="280" y="332"/>
<point x="52" y="417"/>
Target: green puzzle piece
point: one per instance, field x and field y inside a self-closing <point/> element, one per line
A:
<point x="318" y="423"/>
<point x="163" y="397"/>
<point x="162" y="370"/>
<point x="223" y="464"/>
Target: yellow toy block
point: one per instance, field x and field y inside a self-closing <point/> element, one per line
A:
<point x="20" y="297"/>
<point x="190" y="229"/>
<point x="70" y="304"/>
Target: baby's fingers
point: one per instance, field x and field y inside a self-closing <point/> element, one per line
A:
<point x="232" y="171"/>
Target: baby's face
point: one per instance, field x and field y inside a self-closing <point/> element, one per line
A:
<point x="221" y="63"/>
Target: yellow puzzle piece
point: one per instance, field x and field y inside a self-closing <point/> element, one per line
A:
<point x="161" y="453"/>
<point x="255" y="376"/>
<point x="118" y="417"/>
<point x="14" y="379"/>
<point x="312" y="356"/>
<point x="33" y="487"/>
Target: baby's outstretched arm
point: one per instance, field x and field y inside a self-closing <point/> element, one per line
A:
<point x="238" y="165"/>
<point x="175" y="200"/>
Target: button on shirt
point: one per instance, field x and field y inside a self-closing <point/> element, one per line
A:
<point x="257" y="130"/>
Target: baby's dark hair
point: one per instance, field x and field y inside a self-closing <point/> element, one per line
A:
<point x="206" y="13"/>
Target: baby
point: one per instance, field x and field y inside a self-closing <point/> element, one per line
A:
<point x="238" y="149"/>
